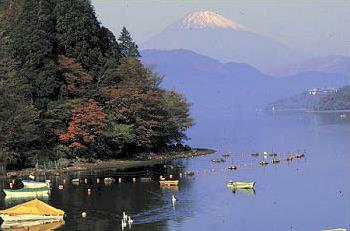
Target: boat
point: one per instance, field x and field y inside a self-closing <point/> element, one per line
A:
<point x="169" y="182"/>
<point x="336" y="229"/>
<point x="218" y="160"/>
<point x="226" y="155"/>
<point x="191" y="173"/>
<point x="275" y="161"/>
<point x="34" y="210"/>
<point x="31" y="225"/>
<point x="240" y="185"/>
<point x="263" y="163"/>
<point x="34" y="184"/>
<point x="255" y="154"/>
<point x="145" y="179"/>
<point x="75" y="181"/>
<point x="108" y="180"/>
<point x="232" y="167"/>
<point x="11" y="201"/>
<point x="27" y="192"/>
<point x="273" y="154"/>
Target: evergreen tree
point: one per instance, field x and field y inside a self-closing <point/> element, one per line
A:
<point x="128" y="48"/>
<point x="67" y="87"/>
<point x="35" y="49"/>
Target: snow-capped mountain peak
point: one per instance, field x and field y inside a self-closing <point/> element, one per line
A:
<point x="208" y="19"/>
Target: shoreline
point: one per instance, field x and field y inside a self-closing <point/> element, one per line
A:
<point x="116" y="164"/>
<point x="310" y="111"/>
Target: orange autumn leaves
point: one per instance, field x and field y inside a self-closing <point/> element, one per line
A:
<point x="87" y="123"/>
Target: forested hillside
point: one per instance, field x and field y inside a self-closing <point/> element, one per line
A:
<point x="339" y="100"/>
<point x="69" y="88"/>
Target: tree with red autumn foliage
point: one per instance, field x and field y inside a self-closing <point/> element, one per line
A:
<point x="87" y="123"/>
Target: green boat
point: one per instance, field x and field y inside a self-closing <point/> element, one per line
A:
<point x="27" y="192"/>
<point x="240" y="185"/>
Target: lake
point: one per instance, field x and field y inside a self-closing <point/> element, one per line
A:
<point x="310" y="193"/>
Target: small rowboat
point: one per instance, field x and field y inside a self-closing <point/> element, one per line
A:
<point x="263" y="163"/>
<point x="337" y="229"/>
<point x="255" y="154"/>
<point x="240" y="185"/>
<point x="75" y="181"/>
<point x="232" y="167"/>
<point x="218" y="160"/>
<point x="108" y="180"/>
<point x="145" y="179"/>
<point x="275" y="161"/>
<point x="169" y="182"/>
<point x="31" y="225"/>
<point x="27" y="192"/>
<point x="34" y="184"/>
<point x="31" y="210"/>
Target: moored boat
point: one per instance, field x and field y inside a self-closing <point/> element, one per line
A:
<point x="75" y="181"/>
<point x="32" y="225"/>
<point x="218" y="160"/>
<point x="34" y="210"/>
<point x="108" y="180"/>
<point x="240" y="185"/>
<point x="169" y="182"/>
<point x="232" y="167"/>
<point x="27" y="192"/>
<point x="34" y="184"/>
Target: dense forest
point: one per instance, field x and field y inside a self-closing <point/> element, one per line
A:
<point x="339" y="100"/>
<point x="70" y="89"/>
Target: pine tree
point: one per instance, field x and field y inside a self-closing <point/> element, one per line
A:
<point x="128" y="48"/>
<point x="35" y="49"/>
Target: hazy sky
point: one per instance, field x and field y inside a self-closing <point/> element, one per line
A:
<point x="321" y="27"/>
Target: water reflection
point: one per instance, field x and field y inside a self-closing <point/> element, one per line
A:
<point x="249" y="192"/>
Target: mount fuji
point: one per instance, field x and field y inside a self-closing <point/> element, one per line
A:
<point x="213" y="35"/>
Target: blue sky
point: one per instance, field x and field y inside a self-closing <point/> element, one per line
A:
<point x="321" y="27"/>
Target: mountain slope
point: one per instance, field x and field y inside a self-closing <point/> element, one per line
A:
<point x="335" y="64"/>
<point x="210" y="84"/>
<point x="211" y="34"/>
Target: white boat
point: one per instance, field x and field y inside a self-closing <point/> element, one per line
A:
<point x="27" y="192"/>
<point x="108" y="180"/>
<point x="32" y="225"/>
<point x="240" y="185"/>
<point x="34" y="210"/>
<point x="34" y="184"/>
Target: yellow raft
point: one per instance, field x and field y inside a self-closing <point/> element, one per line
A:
<point x="33" y="210"/>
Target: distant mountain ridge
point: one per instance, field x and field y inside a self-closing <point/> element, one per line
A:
<point x="336" y="64"/>
<point x="209" y="83"/>
<point x="212" y="34"/>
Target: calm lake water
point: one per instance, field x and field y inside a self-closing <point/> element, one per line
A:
<point x="308" y="194"/>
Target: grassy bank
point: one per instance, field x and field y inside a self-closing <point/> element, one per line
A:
<point x="118" y="164"/>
